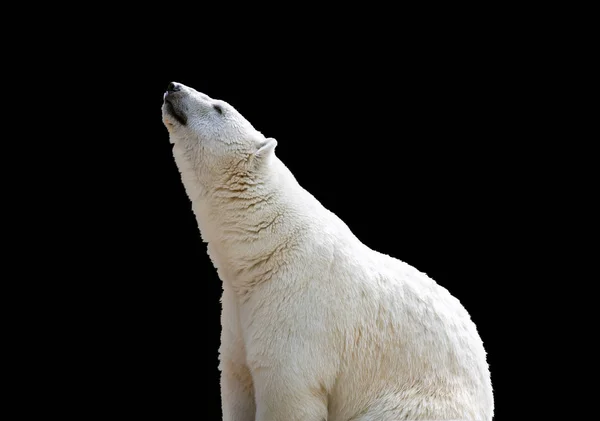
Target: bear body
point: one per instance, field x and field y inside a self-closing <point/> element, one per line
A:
<point x="315" y="325"/>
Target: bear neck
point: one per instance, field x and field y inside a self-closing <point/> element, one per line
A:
<point x="244" y="218"/>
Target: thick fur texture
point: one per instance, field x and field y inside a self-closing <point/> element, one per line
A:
<point x="315" y="325"/>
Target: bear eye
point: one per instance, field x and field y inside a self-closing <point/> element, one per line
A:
<point x="218" y="108"/>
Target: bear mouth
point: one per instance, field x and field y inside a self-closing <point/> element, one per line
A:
<point x="175" y="113"/>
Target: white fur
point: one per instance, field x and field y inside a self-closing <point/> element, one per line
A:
<point x="315" y="325"/>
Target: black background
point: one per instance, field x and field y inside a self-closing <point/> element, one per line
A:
<point x="419" y="137"/>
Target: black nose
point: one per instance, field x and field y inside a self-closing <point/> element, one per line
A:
<point x="174" y="87"/>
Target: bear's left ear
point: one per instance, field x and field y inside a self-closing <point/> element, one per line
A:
<point x="265" y="150"/>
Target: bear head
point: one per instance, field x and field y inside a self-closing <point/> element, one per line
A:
<point x="212" y="136"/>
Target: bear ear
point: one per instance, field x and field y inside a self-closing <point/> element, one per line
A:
<point x="265" y="150"/>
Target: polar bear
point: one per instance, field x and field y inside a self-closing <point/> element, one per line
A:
<point x="315" y="325"/>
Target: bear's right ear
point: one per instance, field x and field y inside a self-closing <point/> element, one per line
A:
<point x="265" y="150"/>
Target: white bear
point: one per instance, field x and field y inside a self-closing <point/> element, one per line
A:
<point x="315" y="325"/>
